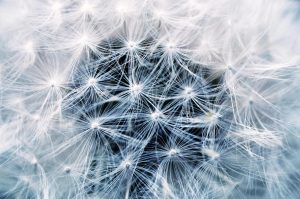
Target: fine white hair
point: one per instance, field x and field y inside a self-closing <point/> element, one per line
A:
<point x="139" y="99"/>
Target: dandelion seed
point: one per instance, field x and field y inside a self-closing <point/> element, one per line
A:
<point x="126" y="163"/>
<point x="263" y="138"/>
<point x="136" y="89"/>
<point x="156" y="115"/>
<point x="87" y="7"/>
<point x="211" y="117"/>
<point x="132" y="45"/>
<point x="29" y="47"/>
<point x="67" y="169"/>
<point x="83" y="40"/>
<point x="124" y="7"/>
<point x="211" y="153"/>
<point x="170" y="47"/>
<point x="56" y="7"/>
<point x="173" y="152"/>
<point x="92" y="82"/>
<point x="53" y="83"/>
<point x="95" y="124"/>
<point x="188" y="92"/>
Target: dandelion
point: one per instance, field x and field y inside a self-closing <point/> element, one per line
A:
<point x="149" y="99"/>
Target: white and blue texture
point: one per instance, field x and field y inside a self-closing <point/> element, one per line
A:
<point x="149" y="99"/>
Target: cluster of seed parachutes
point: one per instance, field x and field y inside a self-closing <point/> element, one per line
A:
<point x="152" y="113"/>
<point x="147" y="100"/>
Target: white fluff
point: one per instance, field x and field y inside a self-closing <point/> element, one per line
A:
<point x="149" y="99"/>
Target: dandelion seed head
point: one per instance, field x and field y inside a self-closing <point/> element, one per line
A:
<point x="149" y="99"/>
